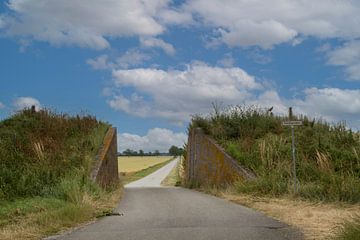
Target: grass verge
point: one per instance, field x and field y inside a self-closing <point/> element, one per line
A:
<point x="173" y="179"/>
<point x="316" y="220"/>
<point x="133" y="176"/>
<point x="37" y="217"/>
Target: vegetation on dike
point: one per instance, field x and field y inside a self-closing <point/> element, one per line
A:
<point x="45" y="161"/>
<point x="328" y="156"/>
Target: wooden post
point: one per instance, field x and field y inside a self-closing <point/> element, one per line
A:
<point x="33" y="109"/>
<point x="290" y="113"/>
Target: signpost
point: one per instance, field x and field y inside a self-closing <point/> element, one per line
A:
<point x="292" y="124"/>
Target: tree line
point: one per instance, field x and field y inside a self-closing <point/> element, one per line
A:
<point x="173" y="151"/>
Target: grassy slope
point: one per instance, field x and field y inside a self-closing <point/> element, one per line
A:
<point x="45" y="161"/>
<point x="328" y="162"/>
<point x="328" y="157"/>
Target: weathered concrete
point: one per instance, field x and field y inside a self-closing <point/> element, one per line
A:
<point x="105" y="171"/>
<point x="207" y="163"/>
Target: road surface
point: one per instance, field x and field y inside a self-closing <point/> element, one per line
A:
<point x="149" y="211"/>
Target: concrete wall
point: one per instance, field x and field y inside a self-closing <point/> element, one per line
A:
<point x="208" y="164"/>
<point x="105" y="171"/>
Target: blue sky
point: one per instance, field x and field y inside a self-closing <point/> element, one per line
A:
<point x="147" y="66"/>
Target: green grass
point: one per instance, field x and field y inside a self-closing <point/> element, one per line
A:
<point x="37" y="149"/>
<point x="350" y="230"/>
<point x="328" y="156"/>
<point x="133" y="176"/>
<point x="45" y="163"/>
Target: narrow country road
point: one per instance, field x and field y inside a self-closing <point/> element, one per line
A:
<point x="149" y="211"/>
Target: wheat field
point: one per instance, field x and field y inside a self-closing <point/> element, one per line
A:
<point x="137" y="163"/>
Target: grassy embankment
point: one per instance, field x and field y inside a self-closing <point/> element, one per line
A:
<point x="328" y="156"/>
<point x="134" y="168"/>
<point x="45" y="160"/>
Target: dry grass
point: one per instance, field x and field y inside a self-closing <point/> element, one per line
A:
<point x="315" y="220"/>
<point x="173" y="179"/>
<point x="135" y="164"/>
<point x="59" y="217"/>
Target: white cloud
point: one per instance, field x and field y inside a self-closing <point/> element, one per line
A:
<point x="331" y="103"/>
<point x="151" y="42"/>
<point x="100" y="63"/>
<point x="26" y="102"/>
<point x="156" y="139"/>
<point x="175" y="95"/>
<point x="2" y="105"/>
<point x="268" y="23"/>
<point x="132" y="58"/>
<point x="227" y="61"/>
<point x="88" y="23"/>
<point x="347" y="56"/>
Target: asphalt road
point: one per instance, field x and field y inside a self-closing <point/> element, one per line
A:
<point x="159" y="213"/>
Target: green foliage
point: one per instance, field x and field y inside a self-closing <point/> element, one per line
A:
<point x="38" y="150"/>
<point x="328" y="162"/>
<point x="175" y="151"/>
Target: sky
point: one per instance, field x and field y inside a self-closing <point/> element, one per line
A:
<point x="147" y="67"/>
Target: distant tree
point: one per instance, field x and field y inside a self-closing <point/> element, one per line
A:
<point x="175" y="151"/>
<point x="141" y="152"/>
<point x="156" y="153"/>
<point x="127" y="152"/>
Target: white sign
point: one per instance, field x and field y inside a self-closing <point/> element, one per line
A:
<point x="292" y="123"/>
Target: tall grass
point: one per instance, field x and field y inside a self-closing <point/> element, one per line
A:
<point x="328" y="163"/>
<point x="38" y="150"/>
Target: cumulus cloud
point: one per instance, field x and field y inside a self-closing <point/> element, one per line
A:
<point x="100" y="63"/>
<point x="152" y="42"/>
<point x="88" y="23"/>
<point x="268" y="23"/>
<point x="333" y="104"/>
<point x="26" y="102"/>
<point x="156" y="139"/>
<point x="176" y="94"/>
<point x="347" y="56"/>
<point x="130" y="58"/>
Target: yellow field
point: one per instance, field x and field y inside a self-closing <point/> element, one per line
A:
<point x="134" y="164"/>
